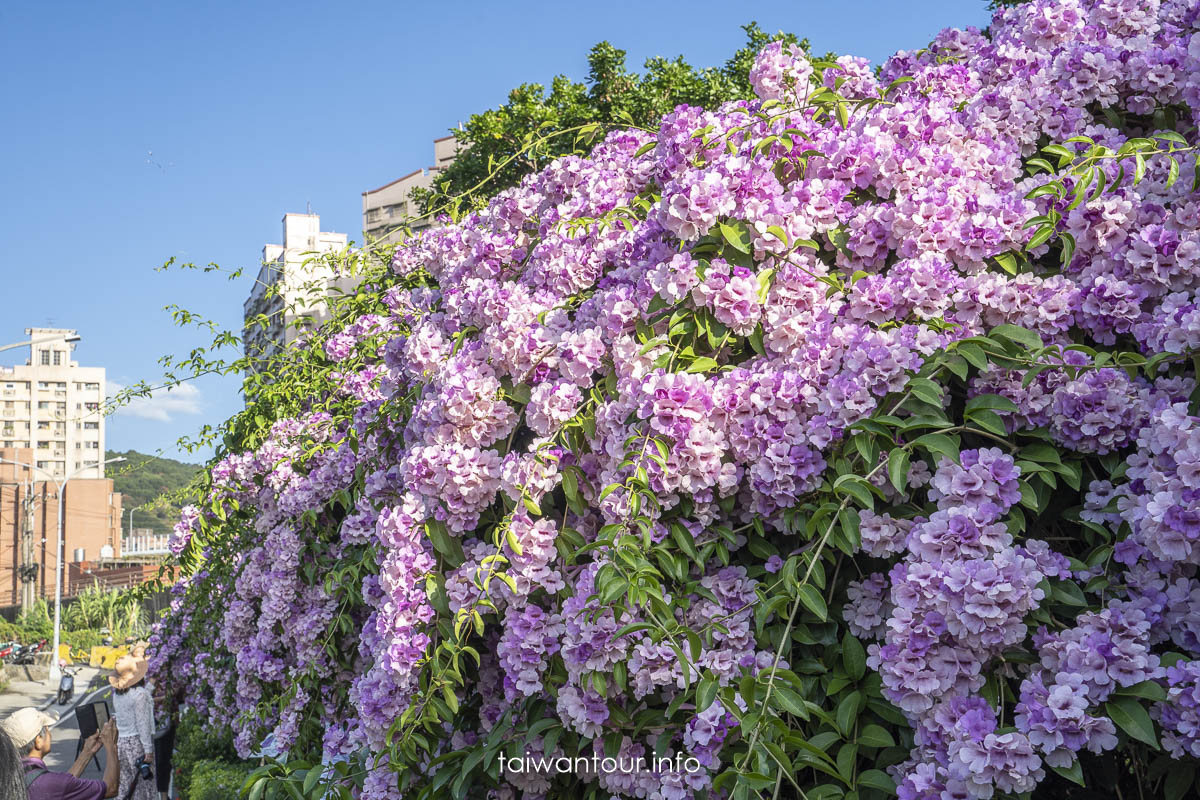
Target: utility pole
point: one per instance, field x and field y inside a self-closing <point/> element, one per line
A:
<point x="29" y="568"/>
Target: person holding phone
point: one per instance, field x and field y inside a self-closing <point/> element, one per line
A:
<point x="29" y="731"/>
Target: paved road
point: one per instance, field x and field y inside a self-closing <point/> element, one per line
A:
<point x="66" y="731"/>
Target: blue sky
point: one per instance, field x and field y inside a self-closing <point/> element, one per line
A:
<point x="134" y="132"/>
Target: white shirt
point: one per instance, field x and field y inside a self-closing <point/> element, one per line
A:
<point x="135" y="716"/>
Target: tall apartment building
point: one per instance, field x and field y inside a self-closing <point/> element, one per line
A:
<point x="292" y="288"/>
<point x="53" y="406"/>
<point x="386" y="208"/>
<point x="29" y="528"/>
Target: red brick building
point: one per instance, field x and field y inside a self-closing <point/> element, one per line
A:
<point x="29" y="522"/>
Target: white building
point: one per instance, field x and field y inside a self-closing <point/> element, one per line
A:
<point x="293" y="285"/>
<point x="54" y="406"/>
<point x="385" y="209"/>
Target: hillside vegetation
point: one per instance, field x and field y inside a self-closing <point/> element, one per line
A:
<point x="150" y="485"/>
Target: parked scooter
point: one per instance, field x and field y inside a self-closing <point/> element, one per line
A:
<point x="66" y="684"/>
<point x="25" y="654"/>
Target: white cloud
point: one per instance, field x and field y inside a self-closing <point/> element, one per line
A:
<point x="162" y="405"/>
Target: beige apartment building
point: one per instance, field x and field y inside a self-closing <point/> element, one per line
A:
<point x="385" y="209"/>
<point x="53" y="406"/>
<point x="293" y="286"/>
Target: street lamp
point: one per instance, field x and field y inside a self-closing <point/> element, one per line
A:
<point x="55" y="671"/>
<point x="72" y="339"/>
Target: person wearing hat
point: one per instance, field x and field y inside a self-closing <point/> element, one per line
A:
<point x="29" y="730"/>
<point x="133" y="708"/>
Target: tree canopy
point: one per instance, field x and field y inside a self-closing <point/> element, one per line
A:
<point x="495" y="143"/>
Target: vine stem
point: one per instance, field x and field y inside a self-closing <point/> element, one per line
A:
<point x="787" y="631"/>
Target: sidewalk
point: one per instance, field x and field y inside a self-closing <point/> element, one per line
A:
<point x="66" y="731"/>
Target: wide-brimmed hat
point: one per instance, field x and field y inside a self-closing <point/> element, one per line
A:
<point x="25" y="725"/>
<point x="127" y="671"/>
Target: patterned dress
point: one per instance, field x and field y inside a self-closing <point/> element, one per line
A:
<point x="134" y="710"/>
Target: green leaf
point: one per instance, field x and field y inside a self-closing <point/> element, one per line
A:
<point x="990" y="421"/>
<point x="813" y="601"/>
<point x="1039" y="237"/>
<point x="847" y="712"/>
<point x="877" y="779"/>
<point x="857" y="487"/>
<point x="939" y="443"/>
<point x="854" y="657"/>
<point x="788" y="701"/>
<point x="1008" y="262"/>
<point x="1021" y="336"/>
<point x="706" y="692"/>
<point x="514" y="544"/>
<point x="443" y="542"/>
<point x="1069" y="593"/>
<point x="990" y="401"/>
<point x="898" y="469"/>
<point x="756" y="341"/>
<point x="1130" y="716"/>
<point x="1149" y="690"/>
<point x="738" y="235"/>
<point x="875" y="736"/>
<point x="310" y="781"/>
<point x="755" y="780"/>
<point x="1073" y="773"/>
<point x="973" y="353"/>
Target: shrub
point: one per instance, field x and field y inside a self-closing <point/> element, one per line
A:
<point x="216" y="780"/>
<point x="196" y="743"/>
<point x="843" y="441"/>
<point x="81" y="640"/>
<point x="36" y="622"/>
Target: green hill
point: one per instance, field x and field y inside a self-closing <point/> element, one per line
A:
<point x="150" y="485"/>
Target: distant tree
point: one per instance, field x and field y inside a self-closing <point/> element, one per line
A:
<point x="611" y="94"/>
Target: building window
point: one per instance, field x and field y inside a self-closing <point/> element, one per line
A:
<point x="45" y="358"/>
<point x="58" y="358"/>
<point x="91" y="426"/>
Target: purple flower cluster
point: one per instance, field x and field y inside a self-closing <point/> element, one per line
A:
<point x="959" y="598"/>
